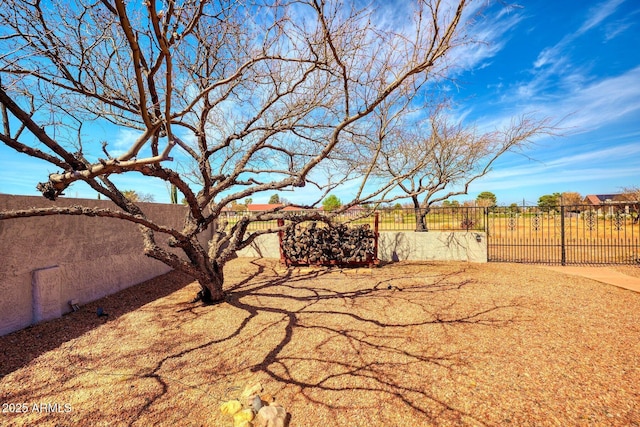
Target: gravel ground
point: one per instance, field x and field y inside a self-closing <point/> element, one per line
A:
<point x="406" y="344"/>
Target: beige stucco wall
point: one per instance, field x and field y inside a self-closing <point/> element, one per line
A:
<point x="433" y="246"/>
<point x="265" y="246"/>
<point x="47" y="261"/>
<point x="402" y="246"/>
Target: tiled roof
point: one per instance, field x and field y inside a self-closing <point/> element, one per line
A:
<point x="599" y="199"/>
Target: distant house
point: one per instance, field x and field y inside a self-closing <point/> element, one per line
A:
<point x="602" y="199"/>
<point x="262" y="207"/>
<point x="239" y="211"/>
<point x="356" y="211"/>
<point x="607" y="203"/>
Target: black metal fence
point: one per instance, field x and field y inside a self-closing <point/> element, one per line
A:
<point x="579" y="234"/>
<point x="391" y="219"/>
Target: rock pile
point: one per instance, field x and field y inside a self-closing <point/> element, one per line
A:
<point x="255" y="409"/>
<point x="329" y="245"/>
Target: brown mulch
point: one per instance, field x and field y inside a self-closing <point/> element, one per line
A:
<point x="406" y="344"/>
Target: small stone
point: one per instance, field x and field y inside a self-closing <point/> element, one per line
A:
<point x="250" y="391"/>
<point x="249" y="394"/>
<point x="270" y="416"/>
<point x="231" y="407"/>
<point x="243" y="416"/>
<point x="267" y="399"/>
<point x="256" y="404"/>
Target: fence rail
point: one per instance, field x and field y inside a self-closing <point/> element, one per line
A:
<point x="390" y="219"/>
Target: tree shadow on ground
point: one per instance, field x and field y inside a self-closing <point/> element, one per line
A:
<point x="371" y="362"/>
<point x="359" y="350"/>
<point x="315" y="333"/>
<point x="19" y="348"/>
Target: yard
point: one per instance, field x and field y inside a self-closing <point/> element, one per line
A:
<point x="406" y="344"/>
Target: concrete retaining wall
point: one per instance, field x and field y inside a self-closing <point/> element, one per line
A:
<point x="433" y="246"/>
<point x="47" y="261"/>
<point x="402" y="246"/>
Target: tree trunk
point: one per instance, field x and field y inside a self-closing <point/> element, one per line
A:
<point x="421" y="223"/>
<point x="211" y="281"/>
<point x="207" y="271"/>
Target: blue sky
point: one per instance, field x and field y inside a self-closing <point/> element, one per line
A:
<point x="578" y="61"/>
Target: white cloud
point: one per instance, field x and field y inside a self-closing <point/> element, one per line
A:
<point x="595" y="17"/>
<point x="598" y="14"/>
<point x="597" y="156"/>
<point x="123" y="140"/>
<point x="600" y="103"/>
<point x="613" y="30"/>
<point x="581" y="167"/>
<point x="579" y="104"/>
<point x="489" y="37"/>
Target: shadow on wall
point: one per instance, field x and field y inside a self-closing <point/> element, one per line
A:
<point x="432" y="246"/>
<point x="14" y="355"/>
<point x="397" y="248"/>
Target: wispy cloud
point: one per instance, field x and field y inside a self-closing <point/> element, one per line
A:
<point x="598" y="14"/>
<point x="572" y="168"/>
<point x="597" y="156"/>
<point x="599" y="103"/>
<point x="595" y="16"/>
<point x="488" y="37"/>
<point x="122" y="141"/>
<point x="613" y="30"/>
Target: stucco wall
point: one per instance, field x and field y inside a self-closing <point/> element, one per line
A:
<point x="402" y="246"/>
<point x="47" y="261"/>
<point x="433" y="246"/>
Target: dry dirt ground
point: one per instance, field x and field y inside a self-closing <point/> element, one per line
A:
<point x="442" y="344"/>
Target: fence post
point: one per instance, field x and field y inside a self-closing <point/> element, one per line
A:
<point x="283" y="259"/>
<point x="562" y="237"/>
<point x="486" y="221"/>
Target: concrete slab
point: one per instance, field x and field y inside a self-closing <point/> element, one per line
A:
<point x="601" y="274"/>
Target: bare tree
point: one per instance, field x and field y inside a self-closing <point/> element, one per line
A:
<point x="229" y="99"/>
<point x="135" y="196"/>
<point x="436" y="158"/>
<point x="571" y="198"/>
<point x="631" y="195"/>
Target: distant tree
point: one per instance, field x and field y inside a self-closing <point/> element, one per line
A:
<point x="450" y="204"/>
<point x="549" y="202"/>
<point x="331" y="203"/>
<point x="571" y="198"/>
<point x="514" y="208"/>
<point x="632" y="195"/>
<point x="238" y="207"/>
<point x="135" y="197"/>
<point x="487" y="199"/>
<point x="248" y="201"/>
<point x="440" y="158"/>
<point x="274" y="199"/>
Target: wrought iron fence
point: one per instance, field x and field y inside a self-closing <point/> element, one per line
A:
<point x="391" y="219"/>
<point x="577" y="234"/>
